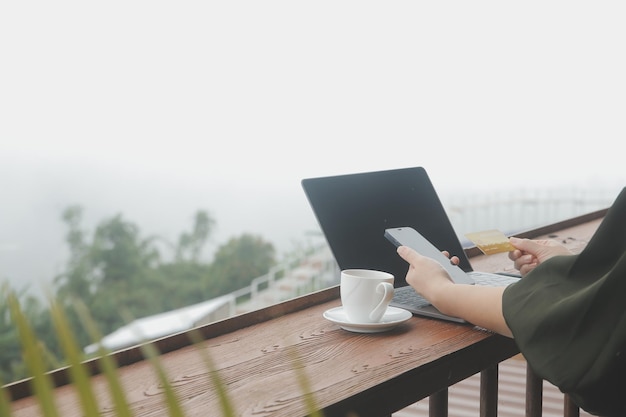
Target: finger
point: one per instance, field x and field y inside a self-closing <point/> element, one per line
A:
<point x="513" y="255"/>
<point x="524" y="260"/>
<point x="527" y="268"/>
<point x="454" y="260"/>
<point x="527" y="245"/>
<point x="520" y="262"/>
<point x="408" y="254"/>
<point x="518" y="242"/>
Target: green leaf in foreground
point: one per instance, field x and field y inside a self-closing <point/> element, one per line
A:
<point x="305" y="387"/>
<point x="33" y="357"/>
<point x="5" y="407"/>
<point x="150" y="352"/>
<point x="106" y="363"/>
<point x="78" y="371"/>
<point x="225" y="403"/>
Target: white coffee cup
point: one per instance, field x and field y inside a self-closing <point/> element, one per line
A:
<point x="365" y="294"/>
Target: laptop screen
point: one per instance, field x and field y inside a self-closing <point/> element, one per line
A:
<point x="354" y="210"/>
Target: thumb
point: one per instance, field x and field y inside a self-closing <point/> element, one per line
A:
<point x="410" y="255"/>
<point x="525" y="245"/>
<point x="406" y="253"/>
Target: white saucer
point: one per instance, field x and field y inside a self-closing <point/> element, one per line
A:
<point x="392" y="317"/>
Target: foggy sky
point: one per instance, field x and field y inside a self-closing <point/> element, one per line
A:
<point x="158" y="109"/>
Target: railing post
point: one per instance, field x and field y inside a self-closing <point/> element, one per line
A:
<point x="438" y="404"/>
<point x="271" y="277"/>
<point x="489" y="392"/>
<point x="569" y="408"/>
<point x="534" y="393"/>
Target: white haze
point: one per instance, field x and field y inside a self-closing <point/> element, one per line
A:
<point x="157" y="109"/>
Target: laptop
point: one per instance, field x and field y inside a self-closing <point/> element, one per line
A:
<point x="355" y="210"/>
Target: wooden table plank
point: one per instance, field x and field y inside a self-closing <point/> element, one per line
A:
<point x="257" y="363"/>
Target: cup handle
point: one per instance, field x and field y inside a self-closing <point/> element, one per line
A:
<point x="386" y="289"/>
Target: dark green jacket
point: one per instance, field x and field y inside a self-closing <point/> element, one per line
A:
<point x="568" y="317"/>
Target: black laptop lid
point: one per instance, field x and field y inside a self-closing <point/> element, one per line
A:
<point x="354" y="210"/>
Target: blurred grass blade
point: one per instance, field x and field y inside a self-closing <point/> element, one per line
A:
<point x="33" y="357"/>
<point x="5" y="401"/>
<point x="78" y="371"/>
<point x="106" y="363"/>
<point x="151" y="353"/>
<point x="225" y="403"/>
<point x="305" y="387"/>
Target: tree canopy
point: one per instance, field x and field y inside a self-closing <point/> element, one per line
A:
<point x="119" y="272"/>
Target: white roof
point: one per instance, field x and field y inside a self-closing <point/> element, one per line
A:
<point x="159" y="325"/>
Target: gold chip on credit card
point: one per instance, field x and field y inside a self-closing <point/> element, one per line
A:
<point x="491" y="241"/>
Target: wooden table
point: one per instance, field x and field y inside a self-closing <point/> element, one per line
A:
<point x="260" y="356"/>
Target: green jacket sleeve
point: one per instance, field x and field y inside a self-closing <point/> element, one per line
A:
<point x="568" y="318"/>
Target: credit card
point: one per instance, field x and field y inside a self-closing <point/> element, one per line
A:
<point x="490" y="241"/>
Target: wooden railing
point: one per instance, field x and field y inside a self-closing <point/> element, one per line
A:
<point x="348" y="374"/>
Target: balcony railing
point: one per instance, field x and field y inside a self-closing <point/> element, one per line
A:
<point x="460" y="349"/>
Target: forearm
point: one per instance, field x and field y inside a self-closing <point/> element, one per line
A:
<point x="479" y="305"/>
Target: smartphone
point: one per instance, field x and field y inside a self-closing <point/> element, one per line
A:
<point x="407" y="236"/>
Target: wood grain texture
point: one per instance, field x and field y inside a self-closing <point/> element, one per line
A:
<point x="257" y="364"/>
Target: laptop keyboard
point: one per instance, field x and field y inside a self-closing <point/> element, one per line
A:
<point x="492" y="280"/>
<point x="407" y="296"/>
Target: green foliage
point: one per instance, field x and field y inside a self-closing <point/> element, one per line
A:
<point x="74" y="355"/>
<point x="106" y="364"/>
<point x="239" y="261"/>
<point x="12" y="365"/>
<point x="190" y="244"/>
<point x="9" y="342"/>
<point x="116" y="269"/>
<point x="188" y="287"/>
<point x="34" y="359"/>
<point x="118" y="252"/>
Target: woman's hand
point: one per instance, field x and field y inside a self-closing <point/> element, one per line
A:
<point x="425" y="275"/>
<point x="530" y="253"/>
<point x="478" y="304"/>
